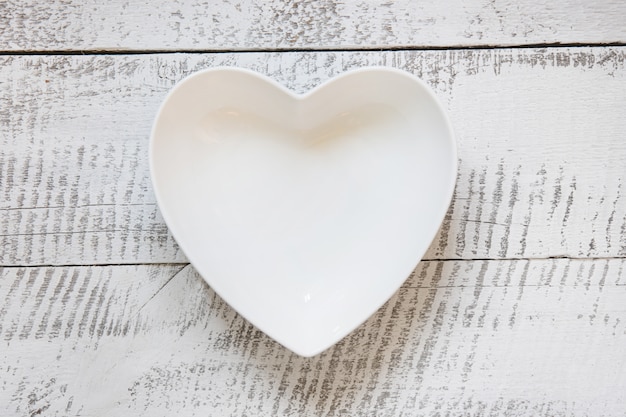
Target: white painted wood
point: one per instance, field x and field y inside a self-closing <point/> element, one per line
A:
<point x="252" y="25"/>
<point x="542" y="172"/>
<point x="540" y="133"/>
<point x="506" y="338"/>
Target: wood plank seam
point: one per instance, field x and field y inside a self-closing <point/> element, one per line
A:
<point x="478" y="47"/>
<point x="184" y="264"/>
<point x="178" y="273"/>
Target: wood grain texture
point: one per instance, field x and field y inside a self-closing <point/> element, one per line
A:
<point x="540" y="133"/>
<point x="479" y="338"/>
<point x="328" y="24"/>
<point x="488" y="327"/>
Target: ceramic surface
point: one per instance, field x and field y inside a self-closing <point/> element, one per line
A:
<point x="304" y="212"/>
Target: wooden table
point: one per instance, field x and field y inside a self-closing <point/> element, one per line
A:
<point x="518" y="309"/>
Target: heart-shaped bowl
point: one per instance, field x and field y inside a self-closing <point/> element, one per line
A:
<point x="306" y="212"/>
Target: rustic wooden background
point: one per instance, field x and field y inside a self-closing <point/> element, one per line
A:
<point x="519" y="308"/>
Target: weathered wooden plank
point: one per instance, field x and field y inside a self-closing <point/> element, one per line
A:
<point x="235" y="25"/>
<point x="481" y="338"/>
<point x="540" y="134"/>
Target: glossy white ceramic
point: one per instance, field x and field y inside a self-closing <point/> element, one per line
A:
<point x="304" y="212"/>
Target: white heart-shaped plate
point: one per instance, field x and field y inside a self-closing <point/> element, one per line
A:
<point x="307" y="212"/>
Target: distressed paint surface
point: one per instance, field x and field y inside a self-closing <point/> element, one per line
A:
<point x="538" y="176"/>
<point x="511" y="338"/>
<point x="264" y="25"/>
<point x="100" y="314"/>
